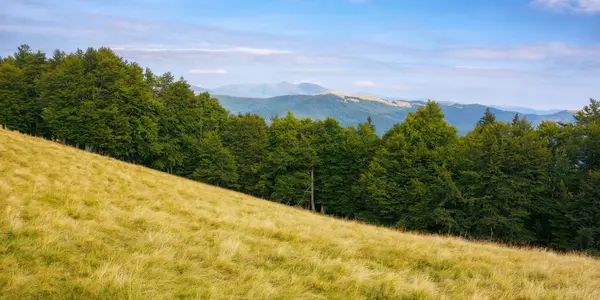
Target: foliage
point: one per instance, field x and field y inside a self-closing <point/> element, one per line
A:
<point x="408" y="182"/>
<point x="247" y="138"/>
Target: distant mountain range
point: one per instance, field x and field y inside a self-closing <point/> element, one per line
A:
<point x="526" y="110"/>
<point x="352" y="109"/>
<point x="264" y="90"/>
<point x="314" y="101"/>
<point x="198" y="89"/>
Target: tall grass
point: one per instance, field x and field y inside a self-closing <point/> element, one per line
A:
<point x="75" y="225"/>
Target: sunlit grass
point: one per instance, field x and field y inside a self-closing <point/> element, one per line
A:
<point x="76" y="225"/>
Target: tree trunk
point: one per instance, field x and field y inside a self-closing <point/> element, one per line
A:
<point x="312" y="188"/>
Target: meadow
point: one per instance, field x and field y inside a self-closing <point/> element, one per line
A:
<point x="77" y="225"/>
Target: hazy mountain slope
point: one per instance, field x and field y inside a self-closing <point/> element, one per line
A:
<point x="75" y="225"/>
<point x="526" y="110"/>
<point x="319" y="107"/>
<point x="384" y="116"/>
<point x="198" y="89"/>
<point x="268" y="90"/>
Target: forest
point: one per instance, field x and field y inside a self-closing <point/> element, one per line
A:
<point x="505" y="182"/>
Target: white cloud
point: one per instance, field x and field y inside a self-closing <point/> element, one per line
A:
<point x="258" y="51"/>
<point x="209" y="72"/>
<point x="365" y="84"/>
<point x="581" y="6"/>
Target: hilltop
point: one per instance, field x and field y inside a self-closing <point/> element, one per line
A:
<point x="80" y="225"/>
<point x="357" y="98"/>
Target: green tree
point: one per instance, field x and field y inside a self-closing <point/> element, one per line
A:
<point x="62" y="87"/>
<point x="180" y="125"/>
<point x="344" y="154"/>
<point x="247" y="138"/>
<point x="409" y="183"/>
<point x="214" y="163"/>
<point x="332" y="182"/>
<point x="291" y="158"/>
<point x="549" y="217"/>
<point x="100" y="102"/>
<point x="10" y="87"/>
<point x="363" y="145"/>
<point x="585" y="211"/>
<point x="500" y="169"/>
<point x="19" y="94"/>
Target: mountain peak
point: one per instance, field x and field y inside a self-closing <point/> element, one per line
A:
<point x="269" y="90"/>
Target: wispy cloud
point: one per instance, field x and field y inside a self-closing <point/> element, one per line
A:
<point x="209" y="72"/>
<point x="258" y="51"/>
<point x="581" y="6"/>
<point x="245" y="50"/>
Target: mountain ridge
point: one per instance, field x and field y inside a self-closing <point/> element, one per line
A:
<point x="352" y="109"/>
<point x="360" y="97"/>
<point x="264" y="90"/>
<point x="527" y="110"/>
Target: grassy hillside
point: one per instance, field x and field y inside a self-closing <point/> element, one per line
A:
<point x="76" y="225"/>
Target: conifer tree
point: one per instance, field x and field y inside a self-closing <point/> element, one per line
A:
<point x="585" y="211"/>
<point x="499" y="169"/>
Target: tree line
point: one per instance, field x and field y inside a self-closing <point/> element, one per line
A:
<point x="507" y="182"/>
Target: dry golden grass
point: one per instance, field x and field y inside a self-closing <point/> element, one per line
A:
<point x="74" y="225"/>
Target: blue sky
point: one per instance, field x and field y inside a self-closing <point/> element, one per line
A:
<point x="535" y="53"/>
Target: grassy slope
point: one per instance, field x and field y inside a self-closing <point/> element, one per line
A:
<point x="78" y="225"/>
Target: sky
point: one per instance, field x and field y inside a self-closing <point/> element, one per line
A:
<point x="542" y="54"/>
